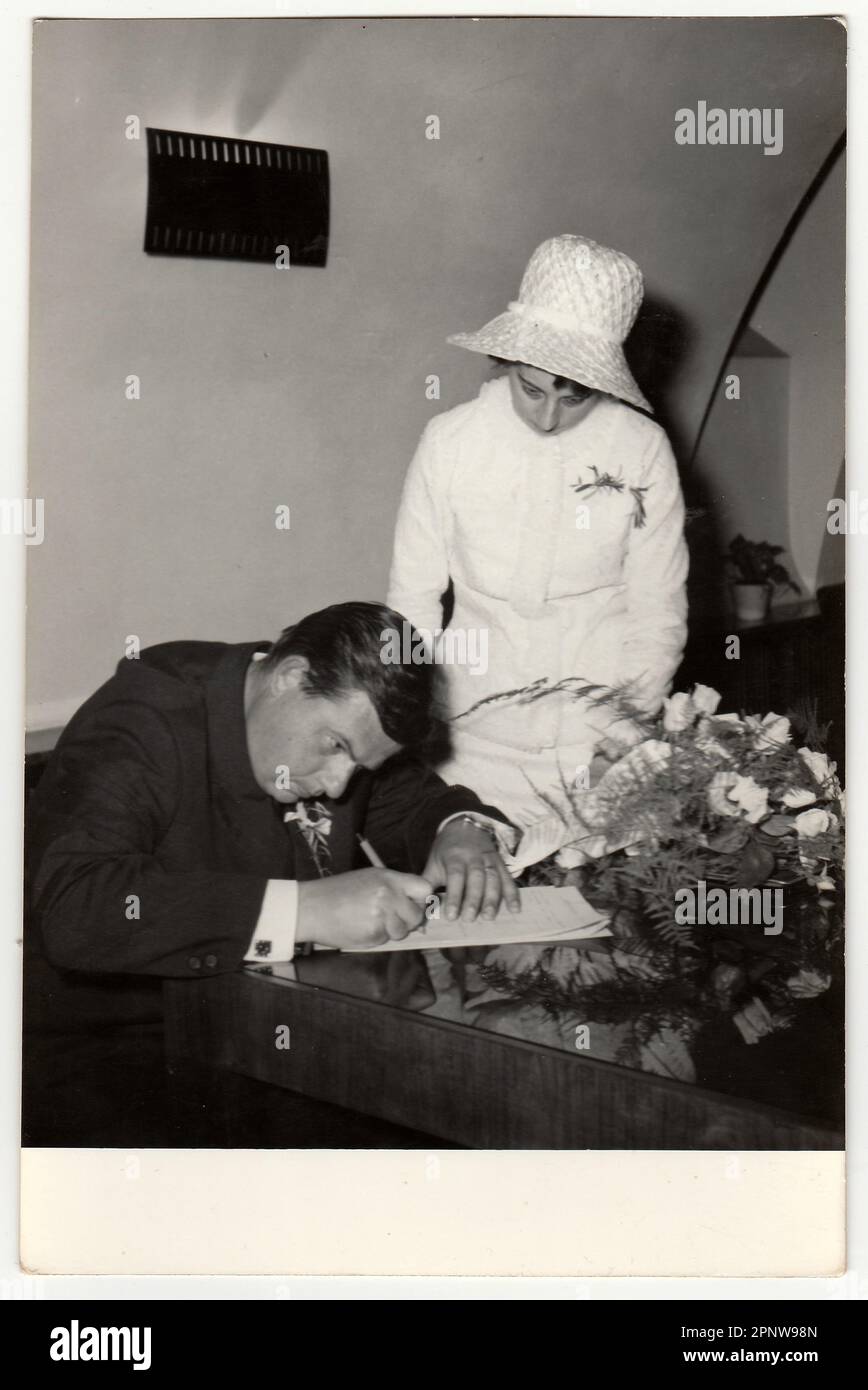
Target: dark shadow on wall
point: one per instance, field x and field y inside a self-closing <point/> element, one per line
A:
<point x="704" y="536"/>
<point x="659" y="343"/>
<point x="830" y="568"/>
<point x="770" y="268"/>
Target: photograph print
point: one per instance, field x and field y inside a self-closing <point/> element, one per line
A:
<point x="435" y="638"/>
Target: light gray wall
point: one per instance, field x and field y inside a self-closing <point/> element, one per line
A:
<point x="306" y="387"/>
<point x="742" y="460"/>
<point x="802" y="311"/>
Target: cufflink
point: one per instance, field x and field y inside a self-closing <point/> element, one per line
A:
<point x="262" y="948"/>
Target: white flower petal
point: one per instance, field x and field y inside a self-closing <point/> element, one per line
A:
<point x="705" y="699"/>
<point x="798" y="796"/>
<point x="678" y="712"/>
<point x="822" y="770"/>
<point x="811" y="823"/>
<point x="807" y="984"/>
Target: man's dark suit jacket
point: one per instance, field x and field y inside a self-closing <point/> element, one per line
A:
<point x="150" y="844"/>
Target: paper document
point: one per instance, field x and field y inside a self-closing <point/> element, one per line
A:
<point x="547" y="914"/>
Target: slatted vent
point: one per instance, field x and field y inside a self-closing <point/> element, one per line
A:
<point x="236" y="199"/>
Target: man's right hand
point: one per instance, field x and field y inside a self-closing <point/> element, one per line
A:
<point x="363" y="908"/>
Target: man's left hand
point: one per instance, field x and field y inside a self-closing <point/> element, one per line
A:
<point x="464" y="858"/>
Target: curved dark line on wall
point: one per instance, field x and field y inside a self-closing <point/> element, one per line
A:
<point x="770" y="268"/>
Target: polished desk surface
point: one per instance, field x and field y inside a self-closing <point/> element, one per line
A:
<point x="416" y="1038"/>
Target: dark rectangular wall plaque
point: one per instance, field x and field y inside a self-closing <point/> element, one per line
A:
<point x="209" y="195"/>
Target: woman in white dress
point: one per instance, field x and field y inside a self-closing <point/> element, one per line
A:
<point x="555" y="510"/>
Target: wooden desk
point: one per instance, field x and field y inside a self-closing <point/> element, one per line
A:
<point x="358" y="1039"/>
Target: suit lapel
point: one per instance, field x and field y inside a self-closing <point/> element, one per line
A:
<point x="343" y="844"/>
<point x="249" y="830"/>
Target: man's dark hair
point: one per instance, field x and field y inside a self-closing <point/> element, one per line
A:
<point x="347" y="647"/>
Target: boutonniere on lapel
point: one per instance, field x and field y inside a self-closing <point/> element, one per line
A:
<point x="315" y="824"/>
<point x="604" y="482"/>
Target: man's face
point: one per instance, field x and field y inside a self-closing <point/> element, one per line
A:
<point x="547" y="408"/>
<point x="303" y="746"/>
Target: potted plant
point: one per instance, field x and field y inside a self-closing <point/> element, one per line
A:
<point x="758" y="572"/>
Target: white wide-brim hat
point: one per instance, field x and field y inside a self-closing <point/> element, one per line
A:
<point x="576" y="305"/>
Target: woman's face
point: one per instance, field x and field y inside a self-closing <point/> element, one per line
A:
<point x="548" y="408"/>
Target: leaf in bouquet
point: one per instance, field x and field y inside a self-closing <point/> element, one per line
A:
<point x="667" y="1054"/>
<point x="725" y="948"/>
<point x="777" y="825"/>
<point x="730" y="838"/>
<point x="804" y="717"/>
<point x="674" y="933"/>
<point x="754" y="867"/>
<point x="760" y="966"/>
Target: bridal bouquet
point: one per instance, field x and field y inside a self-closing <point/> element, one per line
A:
<point x="714" y="842"/>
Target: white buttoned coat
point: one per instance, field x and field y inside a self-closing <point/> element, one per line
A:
<point x="566" y="550"/>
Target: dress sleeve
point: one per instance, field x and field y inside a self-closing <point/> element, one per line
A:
<point x="655" y="574"/>
<point x="420" y="564"/>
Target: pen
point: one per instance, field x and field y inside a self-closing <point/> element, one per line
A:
<point x="376" y="862"/>
<point x="370" y="853"/>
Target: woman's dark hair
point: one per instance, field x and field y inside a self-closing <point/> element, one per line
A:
<point x="560" y="381"/>
<point x="351" y="646"/>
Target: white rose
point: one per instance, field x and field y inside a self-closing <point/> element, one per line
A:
<point x="678" y="713"/>
<point x="754" y="1021"/>
<point x="807" y="984"/>
<point x="751" y="798"/>
<point x="717" y="794"/>
<point x="773" y="732"/>
<point x="798" y="796"/>
<point x="822" y="769"/>
<point x="811" y="823"/>
<point x="704" y="699"/>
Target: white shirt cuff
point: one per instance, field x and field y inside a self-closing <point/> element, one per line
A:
<point x="507" y="835"/>
<point x="274" y="936"/>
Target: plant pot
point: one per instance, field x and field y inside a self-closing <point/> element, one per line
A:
<point x="751" y="601"/>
